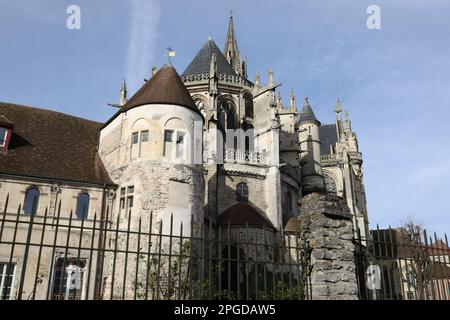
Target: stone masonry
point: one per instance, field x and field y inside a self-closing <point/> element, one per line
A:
<point x="327" y="223"/>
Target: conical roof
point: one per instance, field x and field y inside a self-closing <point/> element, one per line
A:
<point x="202" y="61"/>
<point x="307" y="113"/>
<point x="165" y="87"/>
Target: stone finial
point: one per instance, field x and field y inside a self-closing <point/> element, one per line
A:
<point x="279" y="101"/>
<point x="123" y="93"/>
<point x="257" y="79"/>
<point x="338" y="107"/>
<point x="271" y="77"/>
<point x="293" y="103"/>
<point x="154" y="70"/>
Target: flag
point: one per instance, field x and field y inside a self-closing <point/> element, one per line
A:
<point x="171" y="52"/>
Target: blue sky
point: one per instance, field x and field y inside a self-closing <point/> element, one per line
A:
<point x="395" y="82"/>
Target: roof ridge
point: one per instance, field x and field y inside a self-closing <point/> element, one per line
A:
<point x="9" y="104"/>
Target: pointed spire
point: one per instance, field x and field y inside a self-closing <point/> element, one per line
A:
<point x="257" y="79"/>
<point x="271" y="77"/>
<point x="338" y="107"/>
<point x="307" y="113"/>
<point x="123" y="93"/>
<point x="293" y="103"/>
<point x="279" y="101"/>
<point x="347" y="122"/>
<point x="231" y="50"/>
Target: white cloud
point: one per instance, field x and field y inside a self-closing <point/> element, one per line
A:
<point x="144" y="17"/>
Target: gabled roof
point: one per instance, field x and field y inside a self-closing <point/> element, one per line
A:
<point x="165" y="87"/>
<point x="52" y="145"/>
<point x="202" y="61"/>
<point x="243" y="214"/>
<point x="307" y="113"/>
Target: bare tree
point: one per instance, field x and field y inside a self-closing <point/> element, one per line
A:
<point x="415" y="253"/>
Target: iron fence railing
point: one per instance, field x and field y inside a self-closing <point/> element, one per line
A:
<point x="403" y="264"/>
<point x="126" y="257"/>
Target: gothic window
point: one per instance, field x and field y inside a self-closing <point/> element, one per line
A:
<point x="330" y="185"/>
<point x="82" y="206"/>
<point x="31" y="201"/>
<point x="242" y="192"/>
<point x="226" y="117"/>
<point x="248" y="106"/>
<point x="69" y="277"/>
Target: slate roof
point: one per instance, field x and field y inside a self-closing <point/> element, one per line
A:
<point x="165" y="87"/>
<point x="328" y="137"/>
<point x="242" y="214"/>
<point x="307" y="113"/>
<point x="202" y="61"/>
<point x="53" y="145"/>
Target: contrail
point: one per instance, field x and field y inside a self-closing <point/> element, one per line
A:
<point x="144" y="17"/>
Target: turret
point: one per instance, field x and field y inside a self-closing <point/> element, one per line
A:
<point x="309" y="141"/>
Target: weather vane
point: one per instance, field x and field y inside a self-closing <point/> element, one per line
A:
<point x="171" y="54"/>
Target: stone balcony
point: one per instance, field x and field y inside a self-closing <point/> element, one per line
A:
<point x="246" y="157"/>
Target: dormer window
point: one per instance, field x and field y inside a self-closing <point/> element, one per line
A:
<point x="3" y="136"/>
<point x="5" y="133"/>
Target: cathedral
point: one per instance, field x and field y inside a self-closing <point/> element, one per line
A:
<point x="208" y="146"/>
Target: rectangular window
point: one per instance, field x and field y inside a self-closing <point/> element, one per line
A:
<point x="3" y="132"/>
<point x="168" y="136"/>
<point x="180" y="145"/>
<point x="130" y="189"/>
<point x="130" y="202"/>
<point x="135" y="138"/>
<point x="6" y="280"/>
<point x="144" y="136"/>
<point x="68" y="279"/>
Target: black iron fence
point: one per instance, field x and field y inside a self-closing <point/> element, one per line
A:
<point x="403" y="264"/>
<point x="58" y="257"/>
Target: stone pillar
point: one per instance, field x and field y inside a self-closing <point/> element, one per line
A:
<point x="327" y="225"/>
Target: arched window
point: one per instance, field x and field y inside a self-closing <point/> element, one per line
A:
<point x="248" y="106"/>
<point x="31" y="201"/>
<point x="242" y="192"/>
<point x="82" y="206"/>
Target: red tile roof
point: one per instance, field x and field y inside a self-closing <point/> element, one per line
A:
<point x="53" y="145"/>
<point x="165" y="87"/>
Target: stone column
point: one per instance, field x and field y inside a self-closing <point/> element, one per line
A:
<point x="327" y="225"/>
